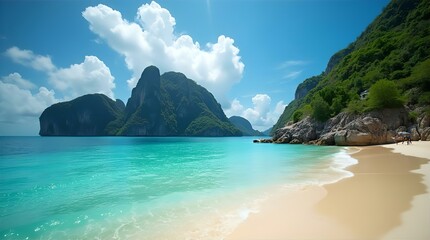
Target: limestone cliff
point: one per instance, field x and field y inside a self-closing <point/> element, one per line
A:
<point x="143" y="112"/>
<point x="173" y="105"/>
<point x="89" y="115"/>
<point x="166" y="105"/>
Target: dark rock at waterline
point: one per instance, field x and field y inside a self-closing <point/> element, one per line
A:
<point x="265" y="140"/>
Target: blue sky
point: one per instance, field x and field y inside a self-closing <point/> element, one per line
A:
<point x="250" y="54"/>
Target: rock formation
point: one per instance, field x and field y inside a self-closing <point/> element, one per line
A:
<point x="348" y="129"/>
<point x="89" y="115"/>
<point x="166" y="105"/>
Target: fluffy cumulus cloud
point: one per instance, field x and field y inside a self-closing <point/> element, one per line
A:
<point x="262" y="116"/>
<point x="16" y="79"/>
<point x="151" y="40"/>
<point x="90" y="76"/>
<point x="20" y="108"/>
<point x="17" y="102"/>
<point x="30" y="59"/>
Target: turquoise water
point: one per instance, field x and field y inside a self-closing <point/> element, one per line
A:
<point x="147" y="188"/>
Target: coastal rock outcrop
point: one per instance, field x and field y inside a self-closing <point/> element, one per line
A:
<point x="347" y="129"/>
<point x="300" y="132"/>
<point x="423" y="127"/>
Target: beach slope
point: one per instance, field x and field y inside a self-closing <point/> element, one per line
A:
<point x="387" y="198"/>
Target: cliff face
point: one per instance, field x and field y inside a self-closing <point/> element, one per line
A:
<point x="167" y="105"/>
<point x="173" y="105"/>
<point x="195" y="110"/>
<point x="307" y="85"/>
<point x="88" y="115"/>
<point x="143" y="112"/>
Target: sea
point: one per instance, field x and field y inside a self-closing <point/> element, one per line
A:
<point x="149" y="187"/>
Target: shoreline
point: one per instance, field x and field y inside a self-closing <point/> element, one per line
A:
<point x="388" y="197"/>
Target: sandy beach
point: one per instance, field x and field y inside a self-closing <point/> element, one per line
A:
<point x="387" y="198"/>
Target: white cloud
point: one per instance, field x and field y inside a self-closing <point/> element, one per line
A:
<point x="20" y="108"/>
<point x="236" y="109"/>
<point x="16" y="79"/>
<point x="261" y="116"/>
<point x="17" y="103"/>
<point x="261" y="103"/>
<point x="292" y="75"/>
<point x="157" y="21"/>
<point x="291" y="63"/>
<point x="151" y="41"/>
<point x="90" y="76"/>
<point x="292" y="68"/>
<point x="29" y="59"/>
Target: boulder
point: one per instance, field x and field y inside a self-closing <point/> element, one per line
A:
<point x="262" y="141"/>
<point x="326" y="139"/>
<point x="353" y="138"/>
<point x="296" y="141"/>
<point x="425" y="134"/>
<point x="424" y="121"/>
<point x="415" y="135"/>
<point x="303" y="131"/>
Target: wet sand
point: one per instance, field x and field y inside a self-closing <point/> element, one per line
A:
<point x="387" y="198"/>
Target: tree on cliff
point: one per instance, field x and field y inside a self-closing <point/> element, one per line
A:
<point x="320" y="109"/>
<point x="384" y="94"/>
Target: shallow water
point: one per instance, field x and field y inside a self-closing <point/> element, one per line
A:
<point x="147" y="188"/>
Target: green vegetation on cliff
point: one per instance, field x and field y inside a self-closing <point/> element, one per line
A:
<point x="173" y="105"/>
<point x="384" y="94"/>
<point x="166" y="105"/>
<point x="394" y="51"/>
<point x="244" y="126"/>
<point x="92" y="114"/>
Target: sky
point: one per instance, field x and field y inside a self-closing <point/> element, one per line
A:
<point x="251" y="54"/>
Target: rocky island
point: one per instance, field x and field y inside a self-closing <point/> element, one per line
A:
<point x="160" y="105"/>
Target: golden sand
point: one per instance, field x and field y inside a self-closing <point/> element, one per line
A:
<point x="387" y="198"/>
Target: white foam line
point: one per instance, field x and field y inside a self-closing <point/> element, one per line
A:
<point x="341" y="161"/>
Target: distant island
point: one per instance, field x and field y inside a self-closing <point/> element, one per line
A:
<point x="160" y="105"/>
<point x="370" y="91"/>
<point x="244" y="126"/>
